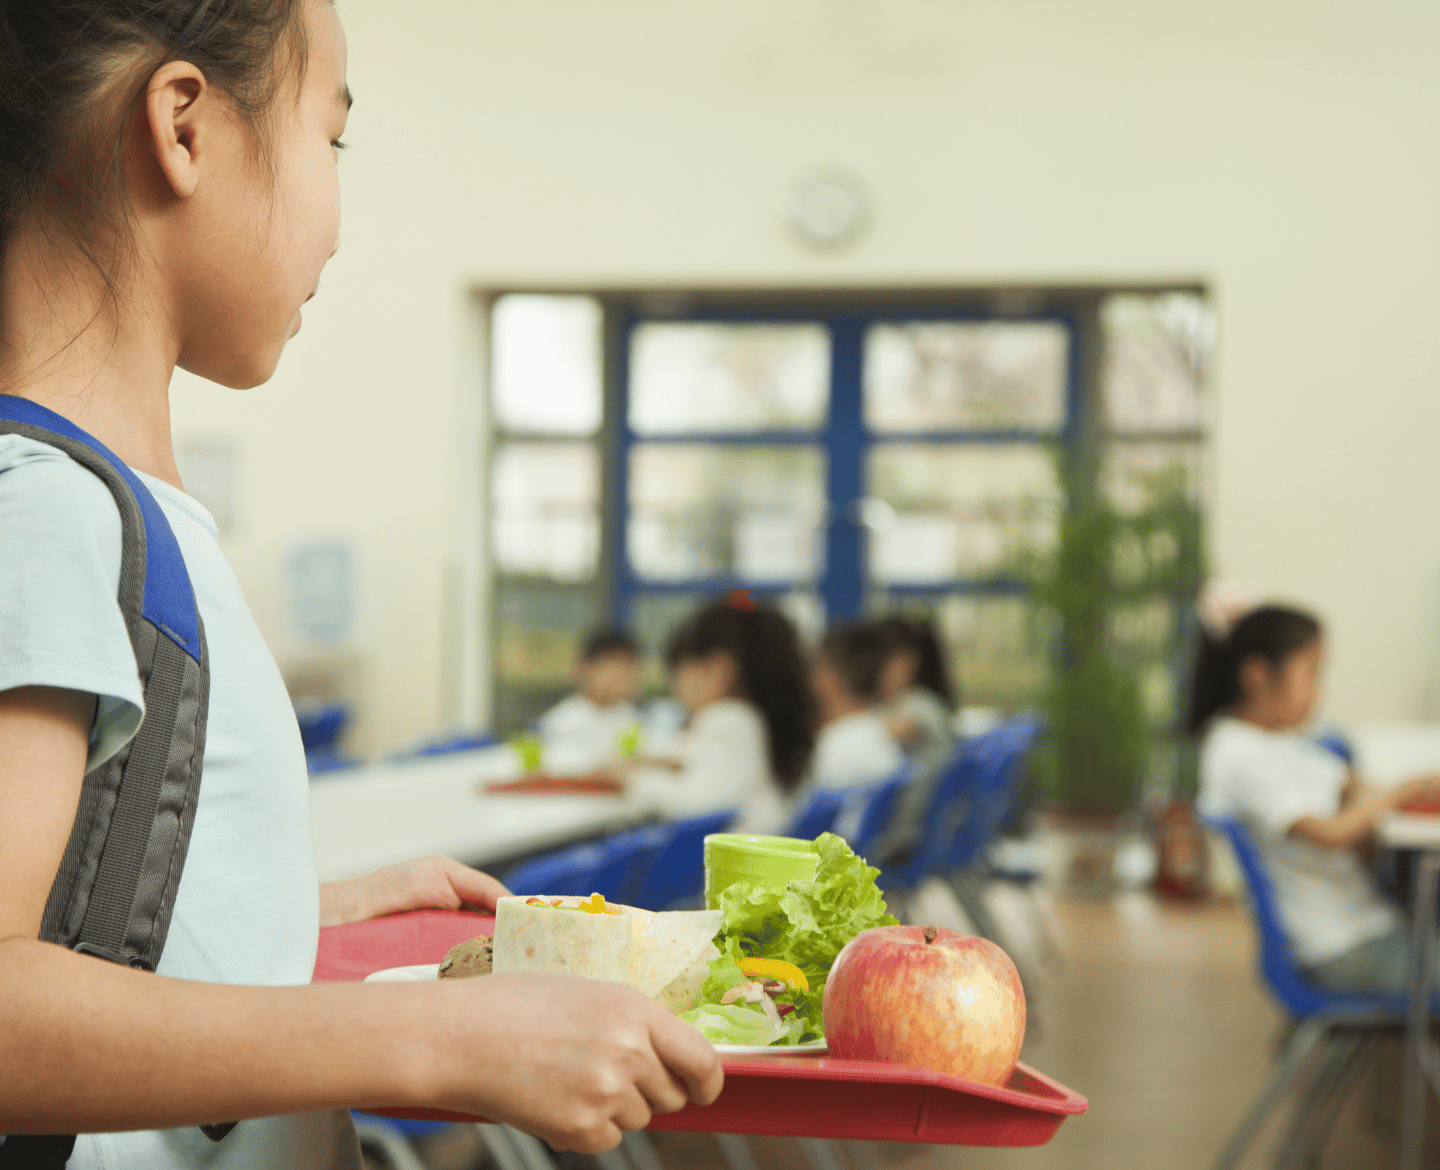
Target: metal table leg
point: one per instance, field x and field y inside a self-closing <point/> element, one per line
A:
<point x="1417" y="1031"/>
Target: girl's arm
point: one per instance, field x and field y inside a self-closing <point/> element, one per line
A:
<point x="440" y="883"/>
<point x="91" y="1046"/>
<point x="1361" y="809"/>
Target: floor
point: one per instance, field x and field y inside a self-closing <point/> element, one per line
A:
<point x="1157" y="1016"/>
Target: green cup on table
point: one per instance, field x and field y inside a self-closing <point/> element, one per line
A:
<point x="530" y="749"/>
<point x="768" y="861"/>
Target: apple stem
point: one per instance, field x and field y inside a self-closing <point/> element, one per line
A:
<point x="930" y="933"/>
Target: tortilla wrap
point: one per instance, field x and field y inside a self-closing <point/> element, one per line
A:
<point x="685" y="991"/>
<point x="667" y="944"/>
<point x="665" y="956"/>
<point x="561" y="941"/>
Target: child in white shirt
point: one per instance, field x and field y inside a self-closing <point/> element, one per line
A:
<point x="1255" y="688"/>
<point x="854" y="746"/>
<point x="588" y="730"/>
<point x="738" y="671"/>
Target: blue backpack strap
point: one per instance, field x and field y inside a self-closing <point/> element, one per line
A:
<point x="115" y="890"/>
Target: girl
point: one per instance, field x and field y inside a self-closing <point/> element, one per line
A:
<point x="1256" y="680"/>
<point x="854" y="746"/>
<point x="168" y="196"/>
<point x="738" y="671"/>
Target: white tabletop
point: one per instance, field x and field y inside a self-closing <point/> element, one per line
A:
<point x="1406" y="831"/>
<point x="382" y="813"/>
<point x="1388" y="754"/>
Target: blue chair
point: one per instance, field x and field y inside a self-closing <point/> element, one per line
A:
<point x="614" y="867"/>
<point x="1342" y="1026"/>
<point x="449" y="744"/>
<point x="321" y="761"/>
<point x="945" y="812"/>
<point x="321" y="726"/>
<point x="995" y="795"/>
<point x="676" y="874"/>
<point x="817" y="815"/>
<point x="869" y="810"/>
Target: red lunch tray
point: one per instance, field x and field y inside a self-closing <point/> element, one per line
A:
<point x="855" y="1099"/>
<point x="556" y="786"/>
<point x="1421" y="808"/>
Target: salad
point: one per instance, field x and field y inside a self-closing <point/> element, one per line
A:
<point x="777" y="946"/>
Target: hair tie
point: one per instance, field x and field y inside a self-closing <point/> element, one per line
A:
<point x="743" y="601"/>
<point x="1222" y="604"/>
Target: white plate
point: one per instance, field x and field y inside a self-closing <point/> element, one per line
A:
<point x="424" y="972"/>
<point x="814" y="1048"/>
<point x="421" y="973"/>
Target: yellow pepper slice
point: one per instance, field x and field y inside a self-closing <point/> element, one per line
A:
<point x="776" y="969"/>
<point x="596" y="905"/>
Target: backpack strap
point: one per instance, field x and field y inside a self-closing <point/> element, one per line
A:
<point x="115" y="889"/>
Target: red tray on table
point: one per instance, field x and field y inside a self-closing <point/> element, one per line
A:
<point x="819" y="1097"/>
<point x="541" y="785"/>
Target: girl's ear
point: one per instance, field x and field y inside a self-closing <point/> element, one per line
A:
<point x="1255" y="675"/>
<point x="177" y="103"/>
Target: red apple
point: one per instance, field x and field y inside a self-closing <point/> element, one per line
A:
<point x="928" y="997"/>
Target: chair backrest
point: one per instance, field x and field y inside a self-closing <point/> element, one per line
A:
<point x="615" y="867"/>
<point x="869" y="809"/>
<point x="817" y="815"/>
<point x="449" y="744"/>
<point x="676" y="872"/>
<point x="1278" y="966"/>
<point x="1000" y="759"/>
<point x="946" y="809"/>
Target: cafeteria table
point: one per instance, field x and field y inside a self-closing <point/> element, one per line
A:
<point x="387" y="812"/>
<point x="1420" y="834"/>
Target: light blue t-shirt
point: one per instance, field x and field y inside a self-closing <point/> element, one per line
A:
<point x="247" y="910"/>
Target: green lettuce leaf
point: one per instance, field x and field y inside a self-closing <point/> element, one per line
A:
<point x="805" y="923"/>
<point x="735" y="1023"/>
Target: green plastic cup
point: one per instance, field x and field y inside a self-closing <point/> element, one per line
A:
<point x="531" y="750"/>
<point x="769" y="861"/>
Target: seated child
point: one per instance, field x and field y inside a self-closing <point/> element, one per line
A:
<point x="853" y="747"/>
<point x="588" y="729"/>
<point x="1255" y="686"/>
<point x="739" y="673"/>
<point x="916" y="696"/>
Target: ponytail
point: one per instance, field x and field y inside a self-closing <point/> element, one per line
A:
<point x="772" y="674"/>
<point x="1271" y="632"/>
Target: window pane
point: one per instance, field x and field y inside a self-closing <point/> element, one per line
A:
<point x="1136" y="475"/>
<point x="545" y="509"/>
<point x="539" y="630"/>
<point x="1157" y="353"/>
<point x="998" y="649"/>
<point x="697" y="511"/>
<point x="727" y="378"/>
<point x="546" y="363"/>
<point x="952" y="511"/>
<point x="965" y="375"/>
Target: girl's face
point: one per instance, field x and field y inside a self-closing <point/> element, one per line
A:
<point x="898" y="674"/>
<point x="1285" y="696"/>
<point x="255" y="238"/>
<point x="698" y="682"/>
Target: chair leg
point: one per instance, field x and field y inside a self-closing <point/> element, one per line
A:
<point x="534" y="1152"/>
<point x="820" y="1153"/>
<point x="1365" y="1055"/>
<point x="501" y="1149"/>
<point x="641" y="1151"/>
<point x="1317" y="1095"/>
<point x="1301" y="1043"/>
<point x="390" y="1142"/>
<point x="863" y="1155"/>
<point x="735" y="1151"/>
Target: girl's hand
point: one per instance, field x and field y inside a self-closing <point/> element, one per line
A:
<point x="427" y="883"/>
<point x="574" y="1061"/>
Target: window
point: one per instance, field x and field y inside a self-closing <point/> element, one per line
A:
<point x="834" y="452"/>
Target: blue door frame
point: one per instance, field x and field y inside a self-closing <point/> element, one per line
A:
<point x="844" y="442"/>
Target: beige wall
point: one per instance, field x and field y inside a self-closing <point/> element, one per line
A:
<point x="1286" y="153"/>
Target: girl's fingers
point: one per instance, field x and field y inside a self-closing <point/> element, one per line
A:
<point x="631" y="1112"/>
<point x="661" y="1090"/>
<point x="472" y="887"/>
<point x="689" y="1056"/>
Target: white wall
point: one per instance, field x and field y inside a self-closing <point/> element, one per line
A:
<point x="1286" y="153"/>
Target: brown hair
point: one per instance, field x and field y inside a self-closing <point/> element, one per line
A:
<point x="71" y="73"/>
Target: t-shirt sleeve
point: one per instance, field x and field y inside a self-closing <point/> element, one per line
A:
<point x="60" y="619"/>
<point x="1272" y="791"/>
